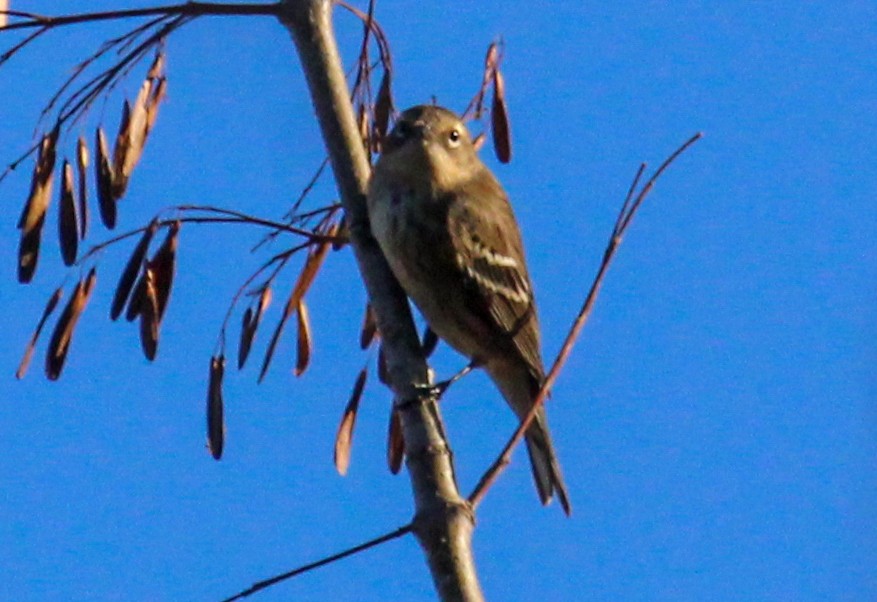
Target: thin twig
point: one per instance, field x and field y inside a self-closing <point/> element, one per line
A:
<point x="618" y="230"/>
<point x="230" y="219"/>
<point x="308" y="567"/>
<point x="189" y="9"/>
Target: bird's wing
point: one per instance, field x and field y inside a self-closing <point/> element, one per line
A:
<point x="489" y="253"/>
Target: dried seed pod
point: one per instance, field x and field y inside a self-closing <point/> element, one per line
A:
<point x="369" y="327"/>
<point x="383" y="105"/>
<point x="248" y="330"/>
<point x="305" y="343"/>
<point x="155" y="100"/>
<point x="479" y="141"/>
<point x="430" y="340"/>
<point x="305" y="279"/>
<point x="149" y="320"/>
<point x="163" y="264"/>
<point x="28" y="352"/>
<point x="344" y="437"/>
<point x="82" y="160"/>
<point x="33" y="216"/>
<point x="215" y="409"/>
<point x="138" y="298"/>
<point x="247" y="333"/>
<point x="63" y="333"/>
<point x="132" y="268"/>
<point x="362" y="122"/>
<point x="156" y="70"/>
<point x="499" y="118"/>
<point x="395" y="443"/>
<point x="104" y="176"/>
<point x="131" y="139"/>
<point x="68" y="225"/>
<point x="491" y="59"/>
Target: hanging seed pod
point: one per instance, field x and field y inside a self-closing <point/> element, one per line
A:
<point x="305" y="279"/>
<point x="63" y="333"/>
<point x="163" y="265"/>
<point x="149" y="316"/>
<point x="344" y="437"/>
<point x="156" y="69"/>
<point x="68" y="225"/>
<point x="369" y="328"/>
<point x="104" y="176"/>
<point x="158" y="96"/>
<point x="395" y="443"/>
<point x="499" y="118"/>
<point x="250" y="325"/>
<point x="82" y="160"/>
<point x="215" y="409"/>
<point x="28" y="352"/>
<point x="132" y="268"/>
<point x="383" y="105"/>
<point x="33" y="216"/>
<point x="305" y="344"/>
<point x="131" y="139"/>
<point x="479" y="141"/>
<point x="138" y="298"/>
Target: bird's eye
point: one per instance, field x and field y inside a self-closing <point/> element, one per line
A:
<point x="401" y="131"/>
<point x="454" y="138"/>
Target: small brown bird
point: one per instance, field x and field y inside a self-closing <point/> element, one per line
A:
<point x="448" y="232"/>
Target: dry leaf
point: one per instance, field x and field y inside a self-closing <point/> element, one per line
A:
<point x="163" y="264"/>
<point x="4" y="18"/>
<point x="82" y="160"/>
<point x="28" y="352"/>
<point x="395" y="443"/>
<point x="104" y="177"/>
<point x="430" y="340"/>
<point x="344" y="437"/>
<point x="305" y="344"/>
<point x="149" y="320"/>
<point x="369" y="327"/>
<point x="499" y="117"/>
<point x="34" y="213"/>
<point x="132" y="268"/>
<point x="215" y="409"/>
<point x="68" y="226"/>
<point x="63" y="333"/>
<point x="383" y="105"/>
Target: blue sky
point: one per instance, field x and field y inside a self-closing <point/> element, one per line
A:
<point x="716" y="422"/>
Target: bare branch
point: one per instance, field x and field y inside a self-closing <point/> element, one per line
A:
<point x="628" y="211"/>
<point x="260" y="585"/>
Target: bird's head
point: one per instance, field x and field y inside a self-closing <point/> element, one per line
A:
<point x="430" y="142"/>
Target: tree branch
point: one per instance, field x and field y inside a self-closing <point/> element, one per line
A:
<point x="443" y="521"/>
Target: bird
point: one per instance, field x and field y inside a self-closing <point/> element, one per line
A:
<point x="448" y="232"/>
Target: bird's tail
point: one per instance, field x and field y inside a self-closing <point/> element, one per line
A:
<point x="518" y="386"/>
<point x="543" y="461"/>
